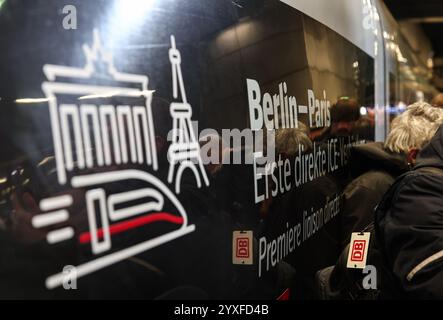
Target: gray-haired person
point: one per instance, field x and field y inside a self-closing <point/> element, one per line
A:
<point x="375" y="165"/>
<point x="410" y="132"/>
<point x="409" y="225"/>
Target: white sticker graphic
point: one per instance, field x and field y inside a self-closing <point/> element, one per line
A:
<point x="89" y="134"/>
<point x="71" y="119"/>
<point x="184" y="149"/>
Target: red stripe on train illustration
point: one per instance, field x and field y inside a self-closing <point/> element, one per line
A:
<point x="133" y="223"/>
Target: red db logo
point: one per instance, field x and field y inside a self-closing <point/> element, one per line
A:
<point x="358" y="250"/>
<point x="242" y="248"/>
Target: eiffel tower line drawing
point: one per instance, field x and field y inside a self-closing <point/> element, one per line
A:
<point x="184" y="150"/>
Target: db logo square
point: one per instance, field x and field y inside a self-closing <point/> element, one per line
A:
<point x="358" y="250"/>
<point x="242" y="247"/>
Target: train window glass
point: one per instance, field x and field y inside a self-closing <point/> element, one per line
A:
<point x="134" y="146"/>
<point x="408" y="75"/>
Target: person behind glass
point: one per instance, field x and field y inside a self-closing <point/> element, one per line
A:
<point x="344" y="115"/>
<point x="213" y="150"/>
<point x="437" y="101"/>
<point x="411" y="228"/>
<point x="287" y="144"/>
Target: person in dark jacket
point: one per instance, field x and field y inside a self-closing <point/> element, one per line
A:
<point x="410" y="132"/>
<point x="378" y="168"/>
<point x="411" y="230"/>
<point x="376" y="165"/>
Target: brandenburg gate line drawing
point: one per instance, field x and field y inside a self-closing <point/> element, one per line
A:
<point x="110" y="140"/>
